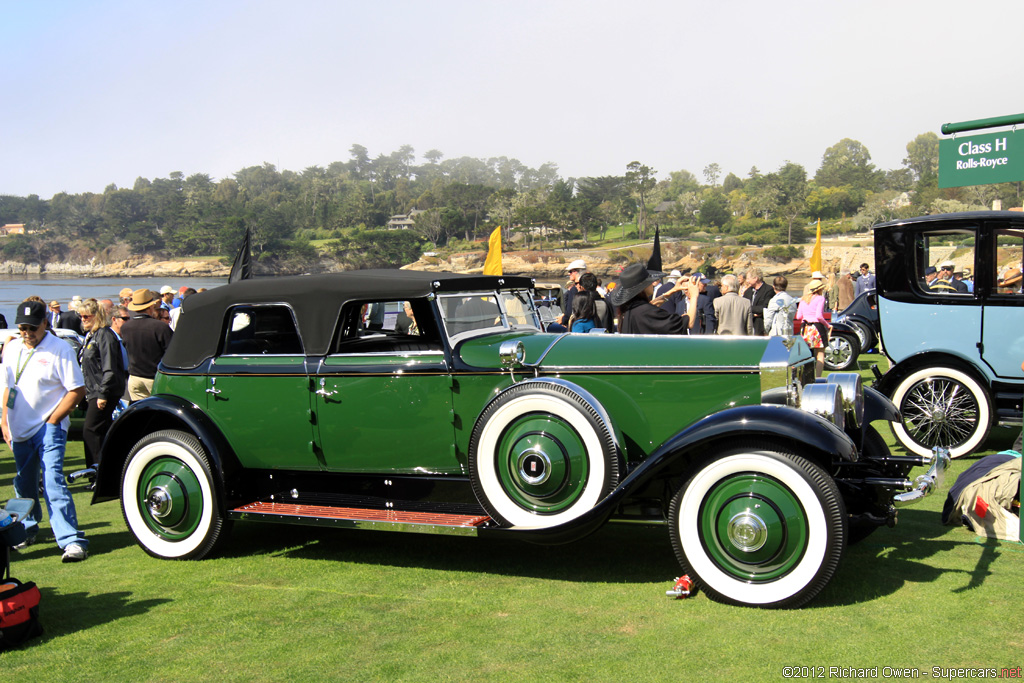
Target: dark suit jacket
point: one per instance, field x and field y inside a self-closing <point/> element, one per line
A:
<point x="759" y="301"/>
<point x="71" y="321"/>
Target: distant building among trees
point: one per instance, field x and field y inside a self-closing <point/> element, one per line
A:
<point x="403" y="221"/>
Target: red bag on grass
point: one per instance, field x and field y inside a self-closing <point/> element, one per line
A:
<point x="19" y="613"/>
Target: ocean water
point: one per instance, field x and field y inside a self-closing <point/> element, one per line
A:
<point x="15" y="289"/>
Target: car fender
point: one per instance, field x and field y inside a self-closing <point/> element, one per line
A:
<point x="877" y="406"/>
<point x="579" y="391"/>
<point x="150" y="415"/>
<point x="843" y="327"/>
<point x="887" y="384"/>
<point x="810" y="435"/>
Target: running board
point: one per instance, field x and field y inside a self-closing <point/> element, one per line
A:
<point x="361" y="518"/>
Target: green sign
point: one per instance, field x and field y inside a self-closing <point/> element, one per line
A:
<point x="981" y="159"/>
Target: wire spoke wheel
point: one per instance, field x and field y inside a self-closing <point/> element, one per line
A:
<point x="942" y="407"/>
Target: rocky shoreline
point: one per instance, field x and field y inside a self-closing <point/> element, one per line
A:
<point x="542" y="266"/>
<point x="143" y="266"/>
<point x="608" y="264"/>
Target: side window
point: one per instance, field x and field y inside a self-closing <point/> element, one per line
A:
<point x="944" y="262"/>
<point x="261" y="330"/>
<point x="1007" y="260"/>
<point x="387" y="327"/>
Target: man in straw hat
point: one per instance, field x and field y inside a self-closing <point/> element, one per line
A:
<point x="639" y="313"/>
<point x="146" y="339"/>
<point x="576" y="270"/>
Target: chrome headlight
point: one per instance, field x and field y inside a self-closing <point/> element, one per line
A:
<point x="852" y="390"/>
<point x="825" y="400"/>
<point x="512" y="354"/>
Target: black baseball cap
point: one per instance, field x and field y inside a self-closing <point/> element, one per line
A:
<point x="31" y="313"/>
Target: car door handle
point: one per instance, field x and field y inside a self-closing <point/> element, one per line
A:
<point x="323" y="392"/>
<point x="213" y="387"/>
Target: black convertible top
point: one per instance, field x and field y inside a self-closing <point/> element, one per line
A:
<point x="317" y="301"/>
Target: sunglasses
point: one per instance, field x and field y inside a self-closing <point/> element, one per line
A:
<point x="86" y="317"/>
<point x="28" y="328"/>
<point x="120" y="317"/>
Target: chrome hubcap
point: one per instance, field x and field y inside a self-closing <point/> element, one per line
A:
<point x="747" y="532"/>
<point x="159" y="502"/>
<point x="534" y="466"/>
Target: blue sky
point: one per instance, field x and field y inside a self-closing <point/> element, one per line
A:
<point x="106" y="91"/>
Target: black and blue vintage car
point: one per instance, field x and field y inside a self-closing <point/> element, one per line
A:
<point x="954" y="341"/>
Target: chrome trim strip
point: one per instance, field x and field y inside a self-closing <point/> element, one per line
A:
<point x="394" y="354"/>
<point x="536" y="365"/>
<point x="730" y="369"/>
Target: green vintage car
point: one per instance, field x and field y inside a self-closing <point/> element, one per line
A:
<point x="433" y="403"/>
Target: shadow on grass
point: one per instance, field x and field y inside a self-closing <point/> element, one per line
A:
<point x="890" y="558"/>
<point x="613" y="554"/>
<point x="64" y="613"/>
<point x="879" y="566"/>
<point x="101" y="542"/>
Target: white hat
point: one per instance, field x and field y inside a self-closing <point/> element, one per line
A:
<point x="947" y="265"/>
<point x="578" y="264"/>
<point x="675" y="273"/>
<point x="816" y="275"/>
<point x="165" y="289"/>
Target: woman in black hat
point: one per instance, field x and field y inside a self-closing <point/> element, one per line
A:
<point x="638" y="314"/>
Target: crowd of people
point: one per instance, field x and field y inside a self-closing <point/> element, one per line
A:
<point x="650" y="302"/>
<point x="43" y="382"/>
<point x="734" y="304"/>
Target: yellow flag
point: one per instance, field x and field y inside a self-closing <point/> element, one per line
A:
<point x="816" y="254"/>
<point x="492" y="266"/>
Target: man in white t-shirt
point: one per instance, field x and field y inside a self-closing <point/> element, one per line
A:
<point x="42" y="384"/>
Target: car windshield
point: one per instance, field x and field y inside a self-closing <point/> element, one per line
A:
<point x="467" y="313"/>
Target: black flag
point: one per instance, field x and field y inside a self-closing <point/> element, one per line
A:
<point x="242" y="267"/>
<point x="654" y="263"/>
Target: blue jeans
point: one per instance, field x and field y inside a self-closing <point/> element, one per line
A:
<point x="46" y="446"/>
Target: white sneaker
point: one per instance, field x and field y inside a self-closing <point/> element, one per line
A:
<point x="74" y="552"/>
<point x="29" y="540"/>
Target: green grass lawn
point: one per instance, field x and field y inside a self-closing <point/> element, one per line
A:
<point x="297" y="603"/>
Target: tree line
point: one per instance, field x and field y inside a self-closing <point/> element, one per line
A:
<point x="460" y="200"/>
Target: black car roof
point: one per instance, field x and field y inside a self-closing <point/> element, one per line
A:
<point x="317" y="301"/>
<point x="961" y="216"/>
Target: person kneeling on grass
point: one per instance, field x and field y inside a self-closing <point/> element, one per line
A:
<point x="41" y="384"/>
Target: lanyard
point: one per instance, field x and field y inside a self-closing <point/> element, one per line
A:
<point x="21" y="366"/>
